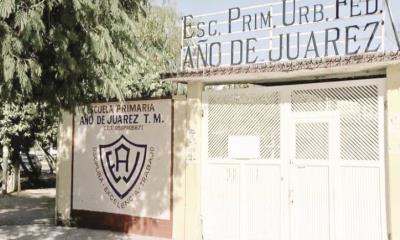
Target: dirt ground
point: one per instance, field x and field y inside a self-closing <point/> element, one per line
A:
<point x="29" y="215"/>
<point x="34" y="206"/>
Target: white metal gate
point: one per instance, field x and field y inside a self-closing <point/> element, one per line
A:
<point x="301" y="162"/>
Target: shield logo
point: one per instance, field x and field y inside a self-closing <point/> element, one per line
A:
<point x="122" y="162"/>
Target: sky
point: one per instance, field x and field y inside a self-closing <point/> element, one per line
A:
<point x="203" y="6"/>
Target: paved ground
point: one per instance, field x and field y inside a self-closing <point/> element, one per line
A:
<point x="28" y="207"/>
<point x="30" y="216"/>
<point x="43" y="232"/>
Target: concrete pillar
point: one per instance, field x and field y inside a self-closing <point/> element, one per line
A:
<point x="64" y="169"/>
<point x="179" y="158"/>
<point x="193" y="223"/>
<point x="393" y="150"/>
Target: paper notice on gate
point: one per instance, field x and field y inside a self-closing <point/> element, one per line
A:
<point x="244" y="147"/>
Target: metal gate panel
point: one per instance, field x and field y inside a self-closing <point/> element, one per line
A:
<point x="261" y="209"/>
<point x="237" y="113"/>
<point x="312" y="140"/>
<point x="359" y="116"/>
<point x="359" y="204"/>
<point x="311" y="175"/>
<point x="311" y="204"/>
<point x="359" y="170"/>
<point x="223" y="202"/>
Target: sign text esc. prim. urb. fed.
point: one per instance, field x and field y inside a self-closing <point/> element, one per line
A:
<point x="203" y="53"/>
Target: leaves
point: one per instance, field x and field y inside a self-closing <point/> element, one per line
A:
<point x="6" y="8"/>
<point x="21" y="20"/>
<point x="84" y="50"/>
<point x="102" y="46"/>
<point x="159" y="37"/>
<point x="9" y="68"/>
<point x="24" y="123"/>
<point x="21" y="70"/>
<point x="75" y="50"/>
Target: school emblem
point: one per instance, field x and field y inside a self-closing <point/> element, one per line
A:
<point x="122" y="162"/>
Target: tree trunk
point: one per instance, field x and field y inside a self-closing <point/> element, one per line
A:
<point x="32" y="175"/>
<point x="22" y="164"/>
<point x="6" y="156"/>
<point x="50" y="160"/>
<point x="16" y="179"/>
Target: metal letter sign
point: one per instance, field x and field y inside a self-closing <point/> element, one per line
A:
<point x="283" y="30"/>
<point x="122" y="162"/>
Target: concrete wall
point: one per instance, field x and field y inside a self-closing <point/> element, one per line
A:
<point x="182" y="209"/>
<point x="393" y="150"/>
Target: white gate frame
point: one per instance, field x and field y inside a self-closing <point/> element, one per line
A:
<point x="285" y="129"/>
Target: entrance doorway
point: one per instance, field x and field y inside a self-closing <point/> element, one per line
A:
<point x="298" y="162"/>
<point x="314" y="149"/>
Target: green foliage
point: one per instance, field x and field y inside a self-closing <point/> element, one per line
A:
<point x="57" y="54"/>
<point x="160" y="40"/>
<point x="24" y="123"/>
<point x="67" y="52"/>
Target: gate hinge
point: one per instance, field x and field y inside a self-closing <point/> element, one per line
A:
<point x="202" y="112"/>
<point x="385" y="105"/>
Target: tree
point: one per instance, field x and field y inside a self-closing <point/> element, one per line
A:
<point x="159" y="33"/>
<point x="66" y="52"/>
<point x="57" y="54"/>
<point x="24" y="124"/>
<point x="60" y="53"/>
